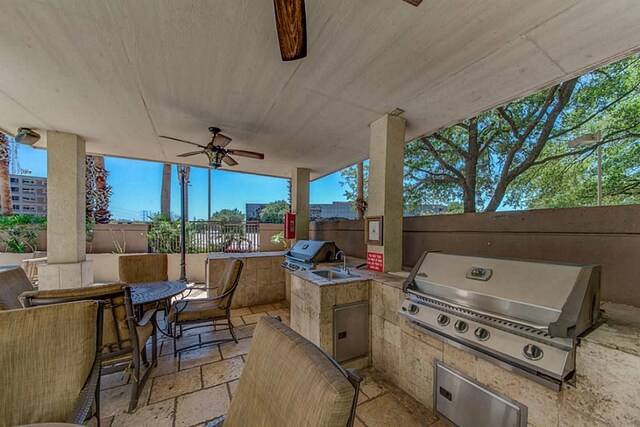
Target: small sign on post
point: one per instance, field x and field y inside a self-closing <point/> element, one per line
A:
<point x="375" y="261"/>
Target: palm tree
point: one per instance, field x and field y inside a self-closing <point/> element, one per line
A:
<point x="165" y="195"/>
<point x="5" y="184"/>
<point x="103" y="192"/>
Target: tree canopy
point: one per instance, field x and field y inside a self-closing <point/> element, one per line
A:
<point x="274" y="212"/>
<point x="518" y="155"/>
<point x="227" y="215"/>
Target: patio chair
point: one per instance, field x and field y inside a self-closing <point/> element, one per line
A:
<point x="124" y="338"/>
<point x="50" y="372"/>
<point x="288" y="381"/>
<point x="13" y="282"/>
<point x="30" y="266"/>
<point x="139" y="268"/>
<point x="203" y="310"/>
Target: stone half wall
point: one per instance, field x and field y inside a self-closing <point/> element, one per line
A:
<point x="262" y="280"/>
<point x="607" y="391"/>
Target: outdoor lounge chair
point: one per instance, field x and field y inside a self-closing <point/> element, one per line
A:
<point x="288" y="381"/>
<point x="124" y="338"/>
<point x="13" y="282"/>
<point x="50" y="372"/>
<point x="216" y="310"/>
<point x="138" y="268"/>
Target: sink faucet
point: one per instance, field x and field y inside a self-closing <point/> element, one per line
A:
<point x="344" y="261"/>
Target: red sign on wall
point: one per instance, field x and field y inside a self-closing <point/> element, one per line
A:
<point x="375" y="261"/>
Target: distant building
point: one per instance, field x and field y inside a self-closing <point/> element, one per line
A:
<point x="317" y="211"/>
<point x="29" y="194"/>
<point x="427" y="210"/>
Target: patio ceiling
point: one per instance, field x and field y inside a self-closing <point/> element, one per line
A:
<point x="120" y="73"/>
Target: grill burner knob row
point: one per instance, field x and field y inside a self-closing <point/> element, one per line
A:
<point x="482" y="334"/>
<point x="461" y="326"/>
<point x="443" y="319"/>
<point x="532" y="352"/>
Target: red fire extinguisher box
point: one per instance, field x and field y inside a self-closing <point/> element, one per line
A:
<point x="289" y="225"/>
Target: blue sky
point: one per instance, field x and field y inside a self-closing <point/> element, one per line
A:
<point x="136" y="186"/>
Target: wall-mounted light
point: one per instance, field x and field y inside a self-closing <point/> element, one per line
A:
<point x="27" y="136"/>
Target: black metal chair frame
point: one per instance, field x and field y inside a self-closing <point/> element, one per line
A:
<point x="110" y="361"/>
<point x="177" y="328"/>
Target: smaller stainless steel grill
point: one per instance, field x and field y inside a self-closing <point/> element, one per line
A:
<point x="306" y="254"/>
<point x="523" y="315"/>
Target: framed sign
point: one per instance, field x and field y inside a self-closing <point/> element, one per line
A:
<point x="373" y="230"/>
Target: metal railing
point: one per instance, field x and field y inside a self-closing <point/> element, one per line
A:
<point x="205" y="236"/>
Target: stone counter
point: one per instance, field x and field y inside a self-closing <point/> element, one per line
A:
<point x="607" y="390"/>
<point x="262" y="280"/>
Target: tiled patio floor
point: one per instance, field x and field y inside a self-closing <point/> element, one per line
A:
<point x="197" y="386"/>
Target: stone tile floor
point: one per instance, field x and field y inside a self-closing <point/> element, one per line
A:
<point x="197" y="386"/>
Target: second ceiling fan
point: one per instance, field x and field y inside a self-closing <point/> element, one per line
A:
<point x="291" y="23"/>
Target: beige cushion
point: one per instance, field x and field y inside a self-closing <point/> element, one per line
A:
<point x="288" y="381"/>
<point x="44" y="363"/>
<point x="143" y="268"/>
<point x="230" y="276"/>
<point x="196" y="309"/>
<point x="12" y="283"/>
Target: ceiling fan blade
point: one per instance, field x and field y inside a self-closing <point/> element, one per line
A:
<point x="221" y="140"/>
<point x="191" y="153"/>
<point x="243" y="153"/>
<point x="292" y="28"/>
<point x="182" y="140"/>
<point x="414" y="2"/>
<point x="229" y="160"/>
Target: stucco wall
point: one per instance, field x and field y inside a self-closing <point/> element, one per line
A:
<point x="609" y="236"/>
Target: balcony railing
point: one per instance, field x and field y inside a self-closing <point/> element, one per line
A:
<point x="205" y="236"/>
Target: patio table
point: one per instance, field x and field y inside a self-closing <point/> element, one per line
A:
<point x="153" y="292"/>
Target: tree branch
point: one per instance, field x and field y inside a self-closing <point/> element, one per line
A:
<point x="443" y="162"/>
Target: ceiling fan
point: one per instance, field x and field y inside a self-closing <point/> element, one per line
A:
<point x="216" y="149"/>
<point x="292" y="27"/>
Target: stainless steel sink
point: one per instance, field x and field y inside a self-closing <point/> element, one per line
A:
<point x="333" y="274"/>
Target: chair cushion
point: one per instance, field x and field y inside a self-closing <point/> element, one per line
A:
<point x="13" y="282"/>
<point x="288" y="381"/>
<point x="46" y="355"/>
<point x="196" y="309"/>
<point x="143" y="268"/>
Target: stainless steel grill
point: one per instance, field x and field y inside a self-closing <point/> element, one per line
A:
<point x="306" y="254"/>
<point x="526" y="316"/>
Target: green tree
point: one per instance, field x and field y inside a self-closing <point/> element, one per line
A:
<point x="274" y="212"/>
<point x="227" y="215"/>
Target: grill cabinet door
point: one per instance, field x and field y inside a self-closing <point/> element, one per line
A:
<point x="350" y="331"/>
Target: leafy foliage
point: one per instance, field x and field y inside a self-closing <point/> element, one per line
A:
<point x="227" y="215"/>
<point x="20" y="232"/>
<point x="274" y="212"/>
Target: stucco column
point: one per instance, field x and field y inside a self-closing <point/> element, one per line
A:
<point x="67" y="265"/>
<point x="300" y="201"/>
<point x="386" y="171"/>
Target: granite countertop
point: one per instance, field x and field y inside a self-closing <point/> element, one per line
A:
<point x="620" y="330"/>
<point x="225" y="255"/>
<point x="394" y="279"/>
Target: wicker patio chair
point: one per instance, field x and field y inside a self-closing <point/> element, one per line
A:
<point x="124" y="338"/>
<point x="138" y="268"/>
<point x="216" y="310"/>
<point x="50" y="372"/>
<point x="288" y="381"/>
<point x="13" y="282"/>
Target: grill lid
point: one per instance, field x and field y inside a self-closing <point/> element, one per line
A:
<point x="561" y="298"/>
<point x="312" y="251"/>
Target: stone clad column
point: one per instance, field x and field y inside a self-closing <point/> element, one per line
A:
<point x="67" y="265"/>
<point x="386" y="173"/>
<point x="300" y="201"/>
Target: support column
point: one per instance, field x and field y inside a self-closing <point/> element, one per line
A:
<point x="300" y="201"/>
<point x="386" y="173"/>
<point x="67" y="265"/>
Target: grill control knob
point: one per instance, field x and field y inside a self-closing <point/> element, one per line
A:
<point x="443" y="319"/>
<point x="461" y="326"/>
<point x="532" y="352"/>
<point x="481" y="333"/>
<point x="413" y="309"/>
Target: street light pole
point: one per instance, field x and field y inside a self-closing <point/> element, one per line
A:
<point x="182" y="171"/>
<point x="599" y="175"/>
<point x="589" y="139"/>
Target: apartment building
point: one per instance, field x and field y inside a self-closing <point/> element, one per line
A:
<point x="29" y="194"/>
